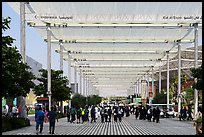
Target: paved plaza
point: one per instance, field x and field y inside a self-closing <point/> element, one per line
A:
<point x="128" y="126"/>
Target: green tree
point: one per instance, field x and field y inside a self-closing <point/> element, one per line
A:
<point x="174" y="86"/>
<point x="197" y="73"/>
<point x="94" y="99"/>
<point x="59" y="89"/>
<point x="17" y="78"/>
<point x="78" y="100"/>
<point x="189" y="96"/>
<point x="160" y="98"/>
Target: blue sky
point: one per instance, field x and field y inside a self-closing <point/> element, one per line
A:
<point x="36" y="48"/>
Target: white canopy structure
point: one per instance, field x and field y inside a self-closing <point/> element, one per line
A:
<point x="114" y="44"/>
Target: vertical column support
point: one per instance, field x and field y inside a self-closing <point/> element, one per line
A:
<point x="84" y="88"/>
<point x="167" y="55"/>
<point x="152" y="82"/>
<point x="69" y="69"/>
<point x="196" y="66"/>
<point x="179" y="75"/>
<point x="61" y="68"/>
<point x="61" y="55"/>
<point x="148" y="89"/>
<point x="69" y="75"/>
<point x="159" y="79"/>
<point x="75" y="78"/>
<point x="80" y="81"/>
<point x="20" y="99"/>
<point x="49" y="64"/>
<point x="22" y="31"/>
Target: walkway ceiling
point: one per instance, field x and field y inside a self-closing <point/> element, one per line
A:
<point x="116" y="43"/>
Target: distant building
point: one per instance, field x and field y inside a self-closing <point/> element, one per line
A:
<point x="35" y="67"/>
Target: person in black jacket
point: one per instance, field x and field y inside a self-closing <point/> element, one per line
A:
<point x="52" y="115"/>
<point x="157" y="114"/>
<point x="109" y="113"/>
<point x="93" y="116"/>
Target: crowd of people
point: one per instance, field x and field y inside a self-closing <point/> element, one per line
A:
<point x="107" y="113"/>
<point x="13" y="110"/>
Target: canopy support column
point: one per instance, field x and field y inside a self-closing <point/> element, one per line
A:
<point x="152" y="85"/>
<point x="84" y="88"/>
<point x="69" y="75"/>
<point x="49" y="64"/>
<point x="75" y="78"/>
<point x="196" y="66"/>
<point x="20" y="99"/>
<point x="159" y="79"/>
<point x="148" y="85"/>
<point x="167" y="55"/>
<point x="69" y="70"/>
<point x="80" y="91"/>
<point x="179" y="75"/>
<point x="61" y="68"/>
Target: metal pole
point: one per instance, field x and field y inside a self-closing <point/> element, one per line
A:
<point x="61" y="68"/>
<point x="159" y="79"/>
<point x="179" y="76"/>
<point x="22" y="31"/>
<point x="167" y="80"/>
<point x="49" y="64"/>
<point x="69" y="75"/>
<point x="69" y="70"/>
<point x="152" y="82"/>
<point x="148" y="84"/>
<point x="61" y="56"/>
<point x="196" y="66"/>
<point x="84" y="92"/>
<point x="75" y="79"/>
<point x="80" y="81"/>
<point x="21" y="99"/>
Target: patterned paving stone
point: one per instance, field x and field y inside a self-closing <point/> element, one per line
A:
<point x="128" y="126"/>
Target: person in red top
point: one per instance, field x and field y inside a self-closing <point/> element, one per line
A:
<point x="19" y="110"/>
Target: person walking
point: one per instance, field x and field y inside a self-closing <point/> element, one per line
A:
<point x="189" y="113"/>
<point x="184" y="113"/>
<point x="39" y="118"/>
<point x="157" y="114"/>
<point x="86" y="114"/>
<point x="78" y="115"/>
<point x="93" y="116"/>
<point x="72" y="112"/>
<point x="136" y="112"/>
<point x="181" y="114"/>
<point x="106" y="114"/>
<point x="83" y="117"/>
<point x="109" y="114"/>
<point x="115" y="113"/>
<point x="102" y="113"/>
<point x="14" y="111"/>
<point x="68" y="114"/>
<point x="120" y="111"/>
<point x="52" y="115"/>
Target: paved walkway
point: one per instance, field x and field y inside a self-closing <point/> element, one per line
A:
<point x="128" y="126"/>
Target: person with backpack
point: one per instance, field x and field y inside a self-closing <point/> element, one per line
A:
<point x="52" y="115"/>
<point x="109" y="114"/>
<point x="78" y="115"/>
<point x="68" y="114"/>
<point x="120" y="112"/>
<point x="39" y="118"/>
<point x="115" y="113"/>
<point x="93" y="116"/>
<point x="83" y="116"/>
<point x="102" y="113"/>
<point x="72" y="112"/>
